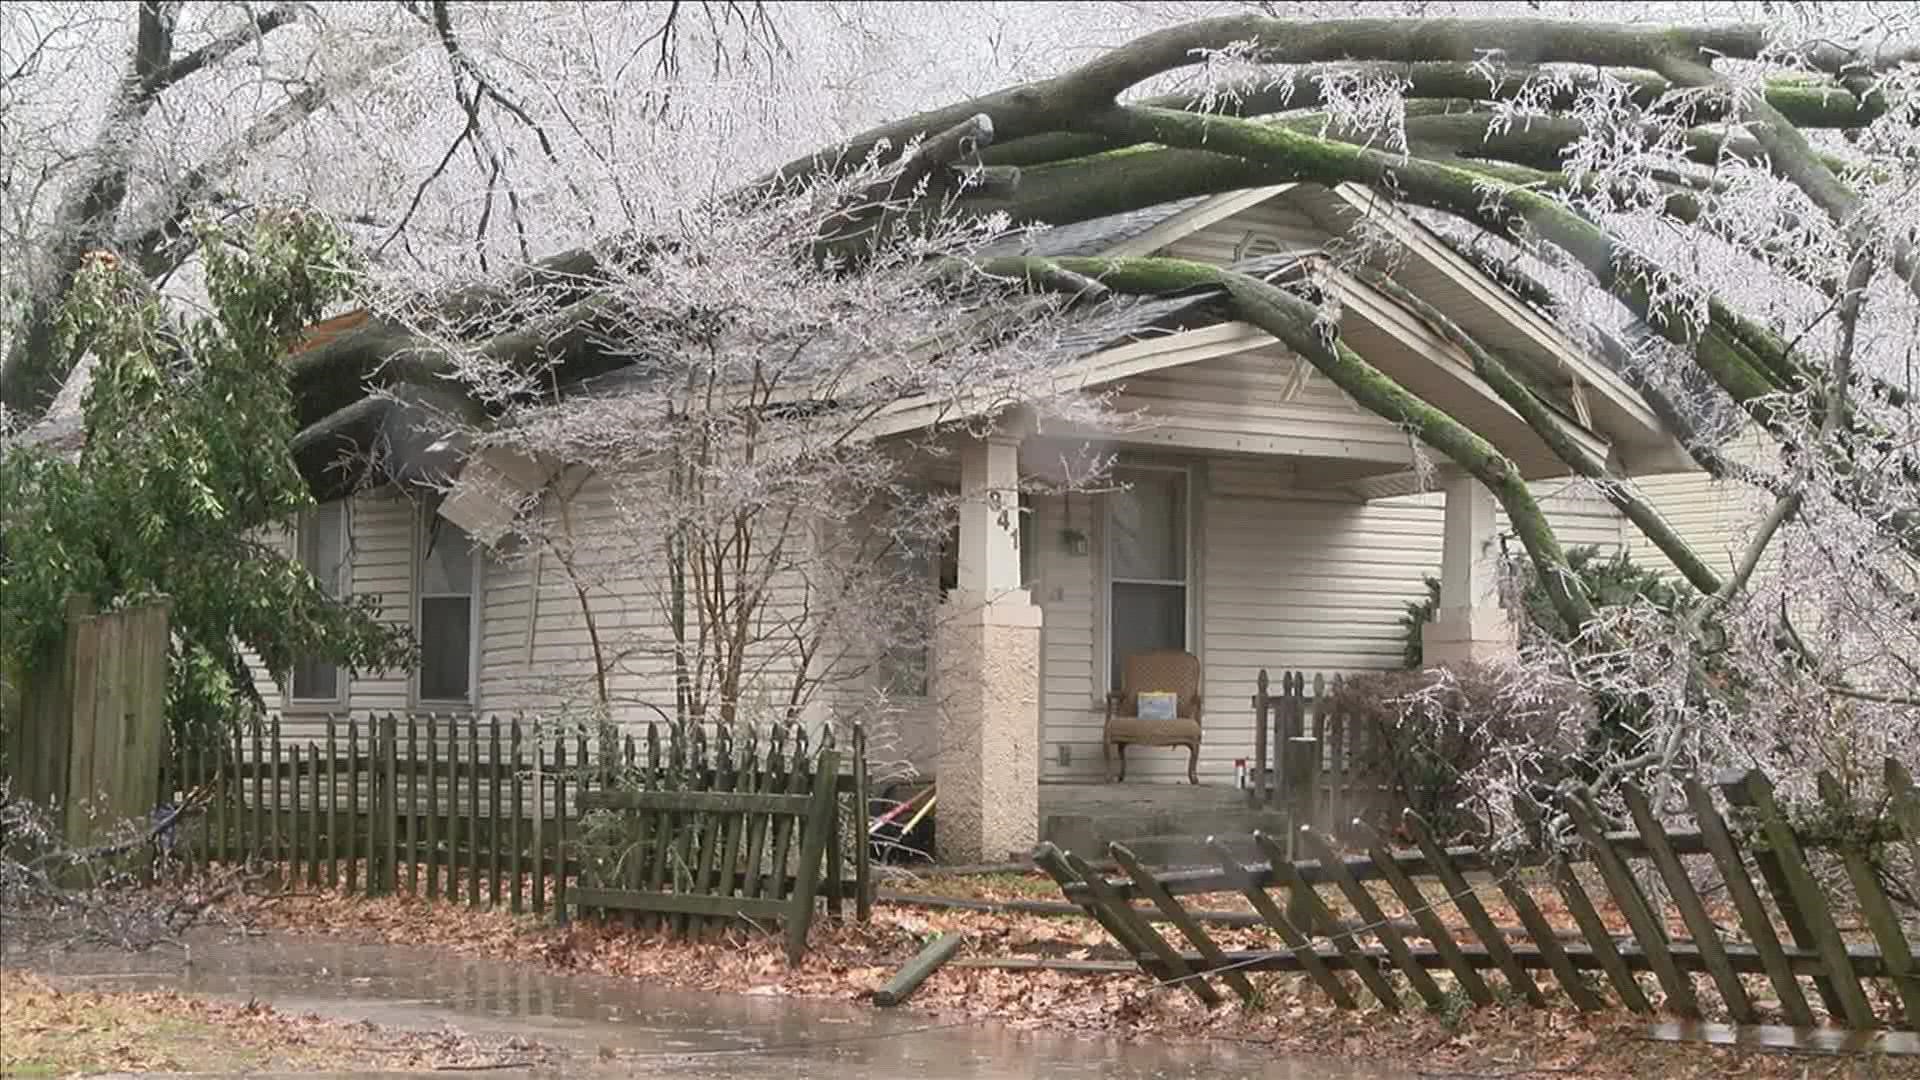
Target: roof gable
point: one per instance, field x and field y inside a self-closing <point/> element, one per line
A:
<point x="1309" y="220"/>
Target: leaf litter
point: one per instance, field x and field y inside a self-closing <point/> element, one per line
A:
<point x="848" y="960"/>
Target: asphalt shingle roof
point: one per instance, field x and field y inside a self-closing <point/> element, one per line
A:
<point x="1091" y="237"/>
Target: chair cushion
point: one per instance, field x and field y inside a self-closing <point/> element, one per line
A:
<point x="1161" y="670"/>
<point x="1132" y="729"/>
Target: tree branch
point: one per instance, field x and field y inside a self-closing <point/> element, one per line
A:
<point x="224" y="46"/>
<point x="1295" y="89"/>
<point x="1297" y="325"/>
<point x="1552" y="430"/>
<point x="1296" y="41"/>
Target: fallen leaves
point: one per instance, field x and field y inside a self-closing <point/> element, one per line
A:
<point x="848" y="961"/>
<point x="48" y="1031"/>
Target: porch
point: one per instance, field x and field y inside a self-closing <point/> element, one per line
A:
<point x="1243" y="573"/>
<point x="1259" y="519"/>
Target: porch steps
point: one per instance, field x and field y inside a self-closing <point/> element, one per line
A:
<point x="1164" y="824"/>
<point x="1174" y="852"/>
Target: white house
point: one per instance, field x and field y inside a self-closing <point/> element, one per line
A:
<point x="1266" y="522"/>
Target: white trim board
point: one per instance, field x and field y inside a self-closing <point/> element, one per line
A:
<point x="1192" y="220"/>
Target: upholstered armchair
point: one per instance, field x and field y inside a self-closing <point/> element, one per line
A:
<point x="1158" y="672"/>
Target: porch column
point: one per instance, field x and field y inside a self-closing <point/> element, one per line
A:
<point x="1470" y="625"/>
<point x="987" y="672"/>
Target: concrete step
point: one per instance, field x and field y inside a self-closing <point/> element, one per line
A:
<point x="1175" y="852"/>
<point x="1161" y="837"/>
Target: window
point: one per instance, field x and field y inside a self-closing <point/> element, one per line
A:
<point x="905" y="663"/>
<point x="1146" y="565"/>
<point x="321" y="539"/>
<point x="448" y="575"/>
<point x="916" y="579"/>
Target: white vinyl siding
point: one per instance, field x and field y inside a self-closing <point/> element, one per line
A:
<point x="379" y="554"/>
<point x="1290" y="580"/>
<point x="1269" y="228"/>
<point x="1260" y="401"/>
<point x="1715" y="517"/>
<point x="383" y="527"/>
<point x="537" y="652"/>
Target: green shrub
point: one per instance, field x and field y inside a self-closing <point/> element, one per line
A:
<point x="1609" y="579"/>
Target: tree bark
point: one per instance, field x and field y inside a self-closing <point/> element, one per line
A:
<point x="1552" y="431"/>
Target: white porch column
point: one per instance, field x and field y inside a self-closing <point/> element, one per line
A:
<point x="1470" y="625"/>
<point x="987" y="672"/>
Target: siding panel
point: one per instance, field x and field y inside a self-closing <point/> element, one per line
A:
<point x="1259" y="395"/>
<point x="1290" y="580"/>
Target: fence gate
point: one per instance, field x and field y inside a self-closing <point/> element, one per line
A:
<point x="1787" y="940"/>
<point x="1324" y="768"/>
<point x="698" y="840"/>
<point x="91" y="733"/>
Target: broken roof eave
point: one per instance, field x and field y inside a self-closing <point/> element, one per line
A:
<point x="1642" y="425"/>
<point x="1447" y="359"/>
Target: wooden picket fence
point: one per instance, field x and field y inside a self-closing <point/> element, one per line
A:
<point x="707" y="842"/>
<point x="1791" y="936"/>
<point x="488" y="812"/>
<point x="1325" y="770"/>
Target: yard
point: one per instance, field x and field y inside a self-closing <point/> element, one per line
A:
<point x="1002" y="976"/>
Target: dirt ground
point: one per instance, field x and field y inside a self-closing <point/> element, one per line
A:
<point x="848" y="961"/>
<point x="51" y="1032"/>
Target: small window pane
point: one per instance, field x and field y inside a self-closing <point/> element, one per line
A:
<point x="315" y="680"/>
<point x="323" y="551"/>
<point x="448" y="568"/>
<point x="1144" y="618"/>
<point x="323" y="548"/>
<point x="1148" y="526"/>
<point x="446" y="647"/>
<point x="903" y="659"/>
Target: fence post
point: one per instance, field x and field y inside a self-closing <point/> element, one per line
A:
<point x="498" y="824"/>
<point x="333" y="802"/>
<point x="539" y="818"/>
<point x="277" y="813"/>
<point x="813" y="843"/>
<point x="413" y="804"/>
<point x="560" y="829"/>
<point x="376" y="805"/>
<point x="390" y="824"/>
<point x="1303" y="777"/>
<point x="863" y="846"/>
<point x="354" y="850"/>
<point x="1257" y="789"/>
<point x="515" y="793"/>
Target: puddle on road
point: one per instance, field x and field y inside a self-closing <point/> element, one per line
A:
<point x="658" y="1031"/>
